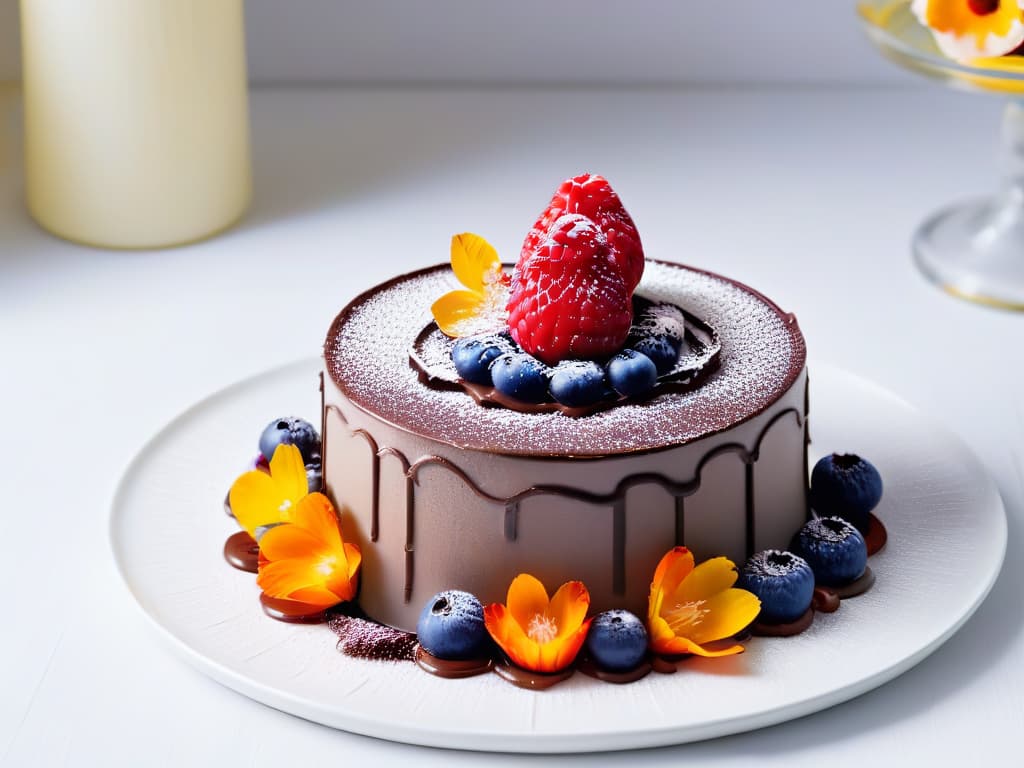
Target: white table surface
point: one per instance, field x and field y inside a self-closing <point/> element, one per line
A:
<point x="809" y="195"/>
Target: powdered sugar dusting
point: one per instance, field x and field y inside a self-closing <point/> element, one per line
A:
<point x="365" y="639"/>
<point x="762" y="353"/>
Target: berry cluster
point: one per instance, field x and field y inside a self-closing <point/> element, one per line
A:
<point x="571" y="292"/>
<point x="651" y="351"/>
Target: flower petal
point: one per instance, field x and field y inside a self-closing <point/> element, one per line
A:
<point x="455" y="309"/>
<point x="510" y="637"/>
<point x="568" y="648"/>
<point x="254" y="501"/>
<point x="291" y="542"/>
<point x="569" y="607"/>
<point x="282" y="578"/>
<point x="288" y="471"/>
<point x="526" y="598"/>
<point x="675" y="566"/>
<point x="728" y="613"/>
<point x="317" y="596"/>
<point x="680" y="645"/>
<point x="316" y="514"/>
<point x="472" y="259"/>
<point x="707" y="579"/>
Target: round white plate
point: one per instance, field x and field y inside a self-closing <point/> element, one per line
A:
<point x="168" y="528"/>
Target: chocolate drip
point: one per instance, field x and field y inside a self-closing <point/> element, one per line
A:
<point x="680" y="520"/>
<point x="511" y="520"/>
<point x="615" y="499"/>
<point x="619" y="546"/>
<point x="748" y="501"/>
<point x="532" y="681"/>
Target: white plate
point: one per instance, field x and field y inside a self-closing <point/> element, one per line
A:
<point x="168" y="527"/>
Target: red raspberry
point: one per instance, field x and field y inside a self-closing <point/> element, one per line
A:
<point x="569" y="299"/>
<point x="594" y="197"/>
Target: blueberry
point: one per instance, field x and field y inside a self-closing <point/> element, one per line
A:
<point x="662" y="351"/>
<point x="521" y="376"/>
<point x="834" y="549"/>
<point x="617" y="640"/>
<point x="784" y="583"/>
<point x="314" y="477"/>
<point x="578" y="382"/>
<point x="451" y="626"/>
<point x="291" y="431"/>
<point x="473" y="356"/>
<point x="847" y="486"/>
<point x="631" y="373"/>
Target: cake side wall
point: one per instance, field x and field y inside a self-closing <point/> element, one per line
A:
<point x="429" y="516"/>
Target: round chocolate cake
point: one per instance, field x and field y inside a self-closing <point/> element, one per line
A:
<point x="441" y="491"/>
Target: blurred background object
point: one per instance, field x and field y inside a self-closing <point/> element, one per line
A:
<point x="973" y="249"/>
<point x="136" y="119"/>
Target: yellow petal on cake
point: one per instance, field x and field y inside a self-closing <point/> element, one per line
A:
<point x="456" y="311"/>
<point x="728" y="612"/>
<point x="709" y="578"/>
<point x="690" y="606"/>
<point x="289" y="471"/>
<point x="967" y="30"/>
<point x="473" y="259"/>
<point x="258" y="498"/>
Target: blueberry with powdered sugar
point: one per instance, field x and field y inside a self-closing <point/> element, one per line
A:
<point x="631" y="373"/>
<point x="521" y="377"/>
<point x="658" y="333"/>
<point x="847" y="486"/>
<point x="577" y="383"/>
<point x="291" y="430"/>
<point x="451" y="626"/>
<point x="782" y="581"/>
<point x="834" y="549"/>
<point x="617" y="640"/>
<point x="473" y="356"/>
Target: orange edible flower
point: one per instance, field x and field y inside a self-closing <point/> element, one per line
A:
<point x="690" y="606"/>
<point x="481" y="306"/>
<point x="972" y="29"/>
<point x="306" y="560"/>
<point x="258" y="498"/>
<point x="536" y="633"/>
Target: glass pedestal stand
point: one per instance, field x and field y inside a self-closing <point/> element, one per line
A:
<point x="976" y="250"/>
<point x="972" y="250"/>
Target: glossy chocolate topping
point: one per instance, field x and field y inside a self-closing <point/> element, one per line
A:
<point x="763" y="354"/>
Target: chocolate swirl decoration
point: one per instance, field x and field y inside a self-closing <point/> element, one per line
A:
<point x="430" y="356"/>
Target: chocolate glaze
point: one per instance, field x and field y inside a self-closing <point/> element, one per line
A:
<point x="664" y="665"/>
<point x="825" y="600"/>
<point x="452" y="669"/>
<point x="242" y="552"/>
<point x="589" y="668"/>
<point x="787" y="629"/>
<point x="290" y="611"/>
<point x="716" y="416"/>
<point x="510" y="504"/>
<point x="858" y="587"/>
<point x="533" y="681"/>
<point x="876" y="536"/>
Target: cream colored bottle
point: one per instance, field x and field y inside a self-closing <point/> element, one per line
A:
<point x="136" y="119"/>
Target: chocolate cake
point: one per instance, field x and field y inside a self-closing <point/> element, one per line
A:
<point x="441" y="491"/>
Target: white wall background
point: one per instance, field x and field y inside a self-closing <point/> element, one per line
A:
<point x="544" y="41"/>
